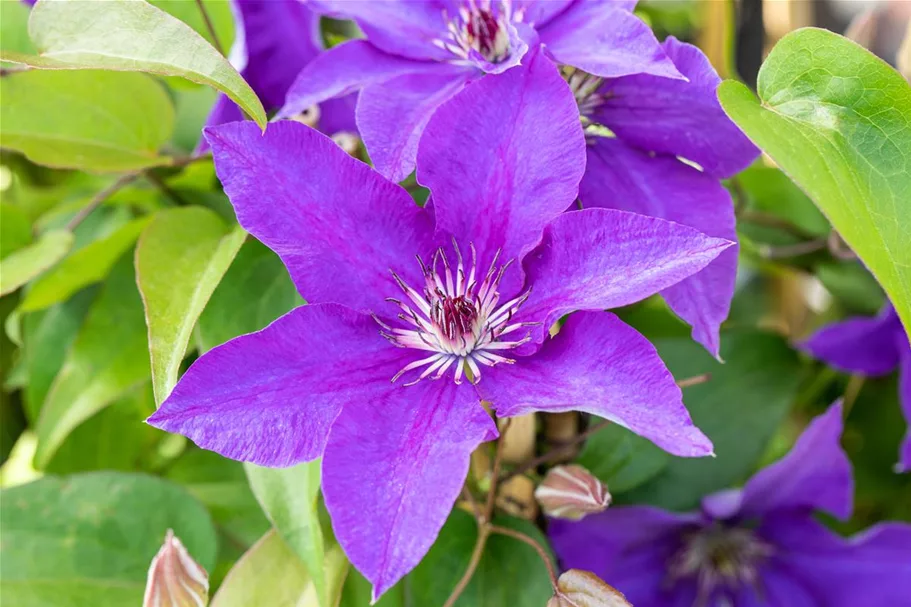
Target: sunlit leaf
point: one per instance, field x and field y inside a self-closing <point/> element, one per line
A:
<point x="15" y="230"/>
<point x="288" y="497"/>
<point x="89" y="539"/>
<point x="28" y="262"/>
<point x="132" y="35"/>
<point x="180" y="259"/>
<point x="108" y="358"/>
<point x="837" y="120"/>
<point x="270" y="574"/>
<point x="90" y="119"/>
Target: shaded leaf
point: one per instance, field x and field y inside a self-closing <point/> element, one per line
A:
<point x="86" y="266"/>
<point x="26" y="263"/>
<point x="288" y="497"/>
<point x="89" y="539"/>
<point x="15" y="229"/>
<point x="92" y="120"/>
<point x="180" y="259"/>
<point x="108" y="357"/>
<point x="132" y="35"/>
<point x="852" y="285"/>
<point x="739" y="408"/>
<point x="232" y="312"/>
<point x="837" y="120"/>
<point x="622" y="459"/>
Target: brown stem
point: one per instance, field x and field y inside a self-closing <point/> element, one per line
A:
<point x="469" y="497"/>
<point x="534" y="544"/>
<point x="694" y="381"/>
<point x="473" y="562"/>
<point x="495" y="476"/>
<point x="210" y="27"/>
<point x="99" y="198"/>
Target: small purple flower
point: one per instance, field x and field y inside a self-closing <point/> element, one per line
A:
<point x="274" y="41"/>
<point x="419" y="54"/>
<point x="871" y="346"/>
<point x="400" y="295"/>
<point x="751" y="547"/>
<point x="653" y="123"/>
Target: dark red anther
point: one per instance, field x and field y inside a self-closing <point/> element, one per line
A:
<point x="483" y="28"/>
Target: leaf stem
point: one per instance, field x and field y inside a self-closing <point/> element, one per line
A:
<point x="210" y="27"/>
<point x="534" y="544"/>
<point x="99" y="198"/>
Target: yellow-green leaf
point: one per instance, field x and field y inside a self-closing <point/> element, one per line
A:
<point x="181" y="257"/>
<point x="28" y="262"/>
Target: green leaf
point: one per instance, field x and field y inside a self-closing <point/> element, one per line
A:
<point x="89" y="539"/>
<point x="621" y="459"/>
<point x="851" y="284"/>
<point x="510" y="574"/>
<point x="270" y="574"/>
<point x="232" y="312"/>
<point x="219" y="13"/>
<point x="108" y="358"/>
<point x="133" y="35"/>
<point x="739" y="408"/>
<point x="15" y="230"/>
<point x="48" y="336"/>
<point x="289" y="498"/>
<point x="181" y="257"/>
<point x="837" y="120"/>
<point x="91" y="120"/>
<point x="28" y="262"/>
<point x="14" y="27"/>
<point x="221" y="485"/>
<point x="86" y="266"/>
<point x="113" y="439"/>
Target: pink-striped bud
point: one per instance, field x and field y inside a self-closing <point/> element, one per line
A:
<point x="175" y="579"/>
<point x="571" y="492"/>
<point x="576" y="588"/>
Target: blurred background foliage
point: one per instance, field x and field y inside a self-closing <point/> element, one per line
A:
<point x="76" y="374"/>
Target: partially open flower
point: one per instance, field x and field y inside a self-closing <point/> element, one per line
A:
<point x="577" y="588"/>
<point x="571" y="492"/>
<point x="175" y="579"/>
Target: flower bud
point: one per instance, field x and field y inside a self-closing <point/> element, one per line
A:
<point x="577" y="588"/>
<point x="309" y="116"/>
<point x="175" y="579"/>
<point x="349" y="142"/>
<point x="571" y="492"/>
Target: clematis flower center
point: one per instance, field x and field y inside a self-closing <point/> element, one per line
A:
<point x="585" y="89"/>
<point x="478" y="27"/>
<point x="457" y="317"/>
<point x="719" y="558"/>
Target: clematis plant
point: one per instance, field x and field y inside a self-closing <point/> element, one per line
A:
<point x="871" y="346"/>
<point x="759" y="545"/>
<point x="274" y="41"/>
<point x="419" y="54"/>
<point x="462" y="291"/>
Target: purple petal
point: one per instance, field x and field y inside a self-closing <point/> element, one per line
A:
<point x="628" y="547"/>
<point x="345" y="69"/>
<point x="904" y="397"/>
<point x="336" y="115"/>
<point x="871" y="568"/>
<point x="222" y="112"/>
<point x="858" y="345"/>
<point x="596" y="259"/>
<point x="270" y="397"/>
<point x="338" y="226"/>
<point x="392" y="470"/>
<point x="599" y="365"/>
<point x="606" y="41"/>
<point x="538" y="14"/>
<point x="677" y="117"/>
<point x="281" y="36"/>
<point x="392" y="114"/>
<point x="621" y="177"/>
<point x="503" y="158"/>
<point x="814" y="475"/>
<point x="399" y="27"/>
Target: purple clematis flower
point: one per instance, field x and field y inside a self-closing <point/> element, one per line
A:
<point x="348" y="377"/>
<point x="419" y="54"/>
<point x="653" y="122"/>
<point x="871" y="346"/>
<point x="751" y="547"/>
<point x="274" y="41"/>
